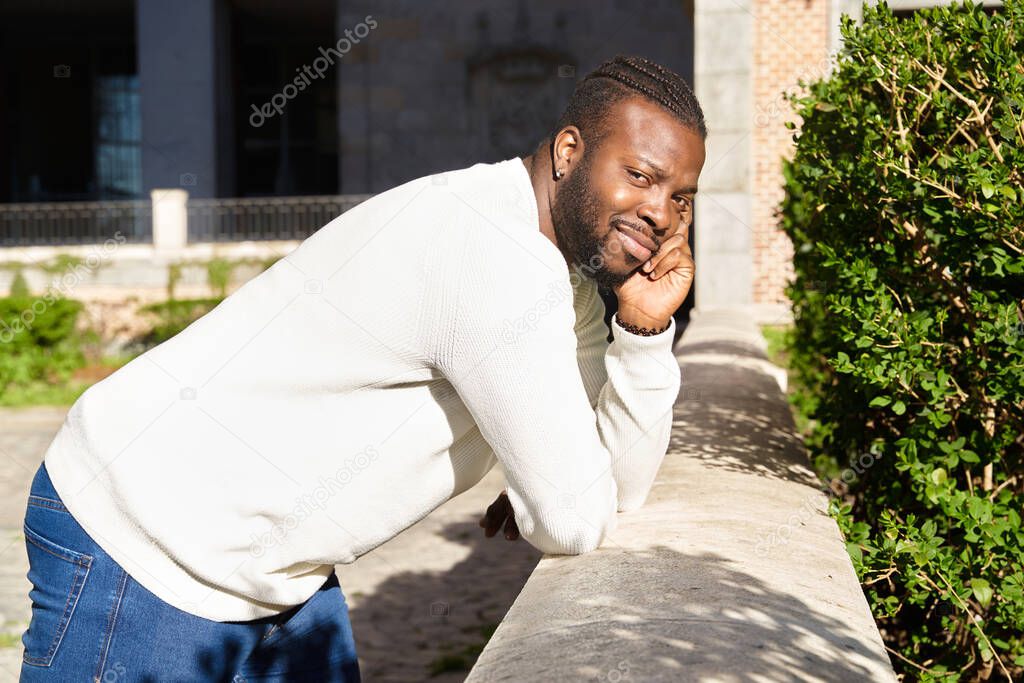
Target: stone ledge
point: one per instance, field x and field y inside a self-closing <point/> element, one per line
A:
<point x="731" y="571"/>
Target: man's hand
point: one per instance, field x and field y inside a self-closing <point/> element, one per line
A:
<point x="498" y="512"/>
<point x="654" y="292"/>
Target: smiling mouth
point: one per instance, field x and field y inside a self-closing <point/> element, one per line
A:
<point x="631" y="245"/>
<point x="634" y="242"/>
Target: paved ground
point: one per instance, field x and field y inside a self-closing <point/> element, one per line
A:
<point x="425" y="601"/>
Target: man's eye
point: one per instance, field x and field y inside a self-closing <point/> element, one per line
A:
<point x="636" y="174"/>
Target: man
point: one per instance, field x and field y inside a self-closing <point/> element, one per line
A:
<point x="188" y="514"/>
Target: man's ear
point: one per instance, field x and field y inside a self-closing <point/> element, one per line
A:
<point x="566" y="148"/>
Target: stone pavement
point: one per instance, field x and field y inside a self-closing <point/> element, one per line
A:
<point x="24" y="436"/>
<point x="425" y="601"/>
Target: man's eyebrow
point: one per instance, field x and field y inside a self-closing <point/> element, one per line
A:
<point x="660" y="172"/>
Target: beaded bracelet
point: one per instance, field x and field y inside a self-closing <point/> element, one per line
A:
<point x="642" y="331"/>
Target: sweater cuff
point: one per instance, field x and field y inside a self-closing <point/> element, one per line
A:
<point x="644" y="341"/>
<point x="649" y="360"/>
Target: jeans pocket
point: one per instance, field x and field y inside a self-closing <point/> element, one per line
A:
<point x="57" y="575"/>
<point x="313" y="643"/>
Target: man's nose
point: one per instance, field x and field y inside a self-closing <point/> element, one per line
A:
<point x="657" y="215"/>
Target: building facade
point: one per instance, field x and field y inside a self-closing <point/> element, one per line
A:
<point x="110" y="99"/>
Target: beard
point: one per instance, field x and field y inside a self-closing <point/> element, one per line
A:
<point x="575" y="218"/>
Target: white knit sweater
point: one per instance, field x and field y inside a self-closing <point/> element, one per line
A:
<point x="357" y="384"/>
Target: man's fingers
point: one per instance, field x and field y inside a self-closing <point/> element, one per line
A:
<point x="667" y="258"/>
<point x="499" y="507"/>
<point x="491" y="525"/>
<point x="485" y="522"/>
<point x="511" y="528"/>
<point x="496" y="513"/>
<point x="675" y="241"/>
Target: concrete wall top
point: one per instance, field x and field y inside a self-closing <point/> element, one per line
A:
<point x="732" y="571"/>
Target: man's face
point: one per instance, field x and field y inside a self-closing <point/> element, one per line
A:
<point x="641" y="179"/>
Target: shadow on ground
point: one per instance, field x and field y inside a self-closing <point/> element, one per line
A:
<point x="416" y="624"/>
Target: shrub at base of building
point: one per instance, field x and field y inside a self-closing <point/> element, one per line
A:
<point x="38" y="340"/>
<point x="173" y="316"/>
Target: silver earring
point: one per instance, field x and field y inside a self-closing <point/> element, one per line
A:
<point x="559" y="173"/>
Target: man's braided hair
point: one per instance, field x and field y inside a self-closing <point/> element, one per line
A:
<point x="621" y="78"/>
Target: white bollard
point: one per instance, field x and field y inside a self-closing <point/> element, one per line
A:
<point x="170" y="219"/>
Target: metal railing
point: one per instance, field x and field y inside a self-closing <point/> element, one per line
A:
<point x="264" y="218"/>
<point x="61" y="223"/>
<point x="209" y="220"/>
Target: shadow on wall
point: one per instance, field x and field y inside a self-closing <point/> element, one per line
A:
<point x="732" y="418"/>
<point x="418" y="623"/>
<point x="699" y="625"/>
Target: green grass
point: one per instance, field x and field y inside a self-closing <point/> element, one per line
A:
<point x="449" y="662"/>
<point x="42" y="394"/>
<point x="60" y="393"/>
<point x="465" y="658"/>
<point x="778" y="353"/>
<point x="776" y="338"/>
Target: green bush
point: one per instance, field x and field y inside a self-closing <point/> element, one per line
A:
<point x="905" y="206"/>
<point x="38" y="341"/>
<point x="19" y="285"/>
<point x="173" y="278"/>
<point x="175" y="315"/>
<point x="218" y="275"/>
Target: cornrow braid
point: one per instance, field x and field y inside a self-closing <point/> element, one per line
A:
<point x="623" y="77"/>
<point x="671" y="82"/>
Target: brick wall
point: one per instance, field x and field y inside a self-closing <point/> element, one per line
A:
<point x="790" y="45"/>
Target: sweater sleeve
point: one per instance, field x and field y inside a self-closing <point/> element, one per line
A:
<point x="640" y="382"/>
<point x="510" y="351"/>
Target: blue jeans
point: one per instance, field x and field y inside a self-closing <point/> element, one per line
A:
<point x="91" y="621"/>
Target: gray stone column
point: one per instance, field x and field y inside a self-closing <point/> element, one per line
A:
<point x="722" y="70"/>
<point x="836" y="9"/>
<point x="180" y="82"/>
<point x="354" y="116"/>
